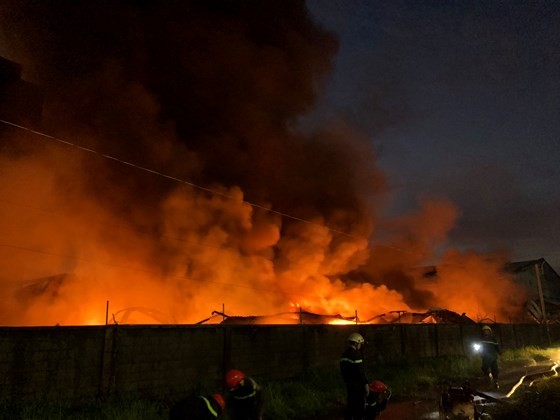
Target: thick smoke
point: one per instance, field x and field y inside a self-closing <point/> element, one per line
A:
<point x="209" y="92"/>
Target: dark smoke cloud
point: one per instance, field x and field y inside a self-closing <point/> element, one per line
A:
<point x="228" y="78"/>
<point x="210" y="92"/>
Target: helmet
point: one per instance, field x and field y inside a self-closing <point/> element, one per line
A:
<point x="378" y="387"/>
<point x="233" y="377"/>
<point x="486" y="328"/>
<point x="356" y="338"/>
<point x="220" y="400"/>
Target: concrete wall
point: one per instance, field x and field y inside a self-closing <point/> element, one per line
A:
<point x="167" y="361"/>
<point x="50" y="363"/>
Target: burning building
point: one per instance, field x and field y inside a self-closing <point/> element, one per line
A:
<point x="21" y="102"/>
<point x="432" y="316"/>
<point x="172" y="173"/>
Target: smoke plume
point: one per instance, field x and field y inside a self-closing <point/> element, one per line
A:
<point x="188" y="183"/>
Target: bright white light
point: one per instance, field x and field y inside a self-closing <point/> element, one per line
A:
<point x="476" y="347"/>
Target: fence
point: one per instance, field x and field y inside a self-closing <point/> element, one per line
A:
<point x="166" y="361"/>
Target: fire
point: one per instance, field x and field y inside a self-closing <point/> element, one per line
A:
<point x="276" y="216"/>
<point x="213" y="251"/>
<point x="341" y="322"/>
<point x="95" y="320"/>
<point x="183" y="183"/>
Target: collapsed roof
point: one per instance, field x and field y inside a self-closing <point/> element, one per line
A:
<point x="432" y="316"/>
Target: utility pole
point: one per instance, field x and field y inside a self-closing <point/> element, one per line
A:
<point x="538" y="268"/>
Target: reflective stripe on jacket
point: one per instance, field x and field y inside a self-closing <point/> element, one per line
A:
<point x="352" y="366"/>
<point x="209" y="406"/>
<point x="490" y="348"/>
<point x="247" y="390"/>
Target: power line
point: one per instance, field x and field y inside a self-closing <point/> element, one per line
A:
<point x="137" y="230"/>
<point x="206" y="189"/>
<point x="173" y="178"/>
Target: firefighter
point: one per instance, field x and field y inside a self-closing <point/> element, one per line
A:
<point x="245" y="399"/>
<point x="376" y="400"/>
<point x="353" y="373"/>
<point x="198" y="408"/>
<point x="489" y="351"/>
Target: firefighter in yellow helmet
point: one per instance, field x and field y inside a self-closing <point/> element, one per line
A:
<point x="489" y="352"/>
<point x="353" y="373"/>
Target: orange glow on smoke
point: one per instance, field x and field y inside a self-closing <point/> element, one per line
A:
<point x="64" y="255"/>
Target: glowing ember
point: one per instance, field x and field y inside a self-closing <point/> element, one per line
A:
<point x="341" y="322"/>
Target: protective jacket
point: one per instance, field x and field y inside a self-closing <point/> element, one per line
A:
<point x="246" y="401"/>
<point x="354" y="375"/>
<point x="196" y="408"/>
<point x="352" y="366"/>
<point x="489" y="347"/>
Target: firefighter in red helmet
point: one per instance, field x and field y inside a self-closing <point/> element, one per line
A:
<point x="199" y="407"/>
<point x="245" y="399"/>
<point x="376" y="400"/>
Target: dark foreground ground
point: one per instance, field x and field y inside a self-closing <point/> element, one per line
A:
<point x="428" y="408"/>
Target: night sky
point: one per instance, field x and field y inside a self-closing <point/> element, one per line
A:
<point x="461" y="99"/>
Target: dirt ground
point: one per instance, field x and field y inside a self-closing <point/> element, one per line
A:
<point x="404" y="410"/>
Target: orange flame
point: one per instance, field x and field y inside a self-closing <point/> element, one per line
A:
<point x="64" y="256"/>
<point x="341" y="322"/>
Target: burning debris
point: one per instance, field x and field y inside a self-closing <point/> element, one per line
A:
<point x="433" y="316"/>
<point x="46" y="288"/>
<point x="301" y="317"/>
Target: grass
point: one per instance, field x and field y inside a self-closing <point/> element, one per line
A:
<point x="309" y="395"/>
<point x="321" y="391"/>
<point x="528" y="356"/>
<point x="541" y="401"/>
<point x="415" y="378"/>
<point x="130" y="409"/>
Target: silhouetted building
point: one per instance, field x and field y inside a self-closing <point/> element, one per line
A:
<point x="21" y="102"/>
<point x="524" y="273"/>
<point x="540" y="280"/>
